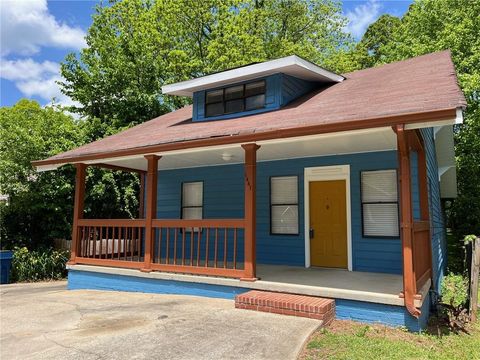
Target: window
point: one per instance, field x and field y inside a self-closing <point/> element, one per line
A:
<point x="192" y="200"/>
<point x="234" y="99"/>
<point x="284" y="205"/>
<point x="380" y="203"/>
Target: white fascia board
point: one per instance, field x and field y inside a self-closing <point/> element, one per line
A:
<point x="458" y="119"/>
<point x="292" y="65"/>
<point x="43" y="168"/>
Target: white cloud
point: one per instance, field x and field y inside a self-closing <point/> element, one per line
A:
<point x="26" y="69"/>
<point x="361" y="17"/>
<point x="35" y="78"/>
<point x="27" y="25"/>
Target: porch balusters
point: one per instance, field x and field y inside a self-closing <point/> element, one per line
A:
<point x="212" y="247"/>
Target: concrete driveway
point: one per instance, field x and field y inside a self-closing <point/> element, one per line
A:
<point x="46" y="321"/>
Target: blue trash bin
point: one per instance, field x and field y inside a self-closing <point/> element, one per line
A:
<point x="5" y="263"/>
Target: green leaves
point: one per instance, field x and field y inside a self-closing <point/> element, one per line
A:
<point x="40" y="203"/>
<point x="44" y="264"/>
<point x="429" y="26"/>
<point x="136" y="46"/>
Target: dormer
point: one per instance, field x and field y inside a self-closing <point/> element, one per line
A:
<point x="252" y="89"/>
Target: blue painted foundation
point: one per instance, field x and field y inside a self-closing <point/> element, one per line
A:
<point x="97" y="281"/>
<point x="345" y="309"/>
<point x="390" y="315"/>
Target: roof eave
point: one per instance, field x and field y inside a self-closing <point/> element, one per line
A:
<point x="425" y="119"/>
<point x="292" y="65"/>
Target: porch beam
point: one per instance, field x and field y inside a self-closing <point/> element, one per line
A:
<point x="406" y="218"/>
<point x="250" y="210"/>
<point x="118" y="168"/>
<point x="78" y="208"/>
<point x="151" y="209"/>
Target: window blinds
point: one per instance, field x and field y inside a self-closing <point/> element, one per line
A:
<point x="284" y="205"/>
<point x="380" y="203"/>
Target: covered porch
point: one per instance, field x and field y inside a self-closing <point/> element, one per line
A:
<point x="224" y="250"/>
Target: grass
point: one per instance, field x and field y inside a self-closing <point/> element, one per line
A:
<point x="351" y="340"/>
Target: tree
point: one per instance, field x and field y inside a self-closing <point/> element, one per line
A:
<point x="40" y="204"/>
<point x="371" y="48"/>
<point x="136" y="46"/>
<point x="434" y="25"/>
<point x="255" y="31"/>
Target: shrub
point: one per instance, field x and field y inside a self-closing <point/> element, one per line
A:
<point x="454" y="299"/>
<point x="43" y="264"/>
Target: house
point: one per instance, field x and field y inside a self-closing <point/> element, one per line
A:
<point x="283" y="176"/>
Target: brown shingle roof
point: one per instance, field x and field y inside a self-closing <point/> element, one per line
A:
<point x="419" y="85"/>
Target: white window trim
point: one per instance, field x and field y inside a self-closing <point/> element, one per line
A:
<point x="321" y="173"/>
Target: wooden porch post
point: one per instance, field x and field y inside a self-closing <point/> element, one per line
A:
<point x="250" y="210"/>
<point x="151" y="209"/>
<point x="406" y="219"/>
<point x="78" y="207"/>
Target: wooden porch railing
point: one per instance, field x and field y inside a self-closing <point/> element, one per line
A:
<point x="204" y="247"/>
<point x="209" y="247"/>
<point x="111" y="242"/>
<point x="421" y="253"/>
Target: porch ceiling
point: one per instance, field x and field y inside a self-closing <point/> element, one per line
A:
<point x="347" y="142"/>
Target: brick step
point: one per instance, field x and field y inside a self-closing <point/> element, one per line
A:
<point x="287" y="304"/>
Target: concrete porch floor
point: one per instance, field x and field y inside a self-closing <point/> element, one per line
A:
<point x="329" y="283"/>
<point x="334" y="283"/>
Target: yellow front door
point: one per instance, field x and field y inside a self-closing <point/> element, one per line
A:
<point x="328" y="224"/>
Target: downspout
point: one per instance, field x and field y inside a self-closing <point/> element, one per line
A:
<point x="406" y="218"/>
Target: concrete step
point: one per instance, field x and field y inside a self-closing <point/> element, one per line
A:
<point x="287" y="304"/>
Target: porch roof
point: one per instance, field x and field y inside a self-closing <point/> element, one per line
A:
<point x="421" y="91"/>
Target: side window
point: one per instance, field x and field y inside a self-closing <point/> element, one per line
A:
<point x="284" y="205"/>
<point x="380" y="203"/>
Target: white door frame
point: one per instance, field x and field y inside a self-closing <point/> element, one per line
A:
<point x="321" y="173"/>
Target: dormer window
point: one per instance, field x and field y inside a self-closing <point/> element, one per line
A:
<point x="234" y="99"/>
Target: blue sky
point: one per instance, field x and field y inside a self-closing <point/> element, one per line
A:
<point x="36" y="35"/>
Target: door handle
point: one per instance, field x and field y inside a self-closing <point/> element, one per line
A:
<point x="311" y="233"/>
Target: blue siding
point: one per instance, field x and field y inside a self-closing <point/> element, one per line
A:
<point x="293" y="87"/>
<point x="415" y="184"/>
<point x="439" y="241"/>
<point x="223" y="198"/>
